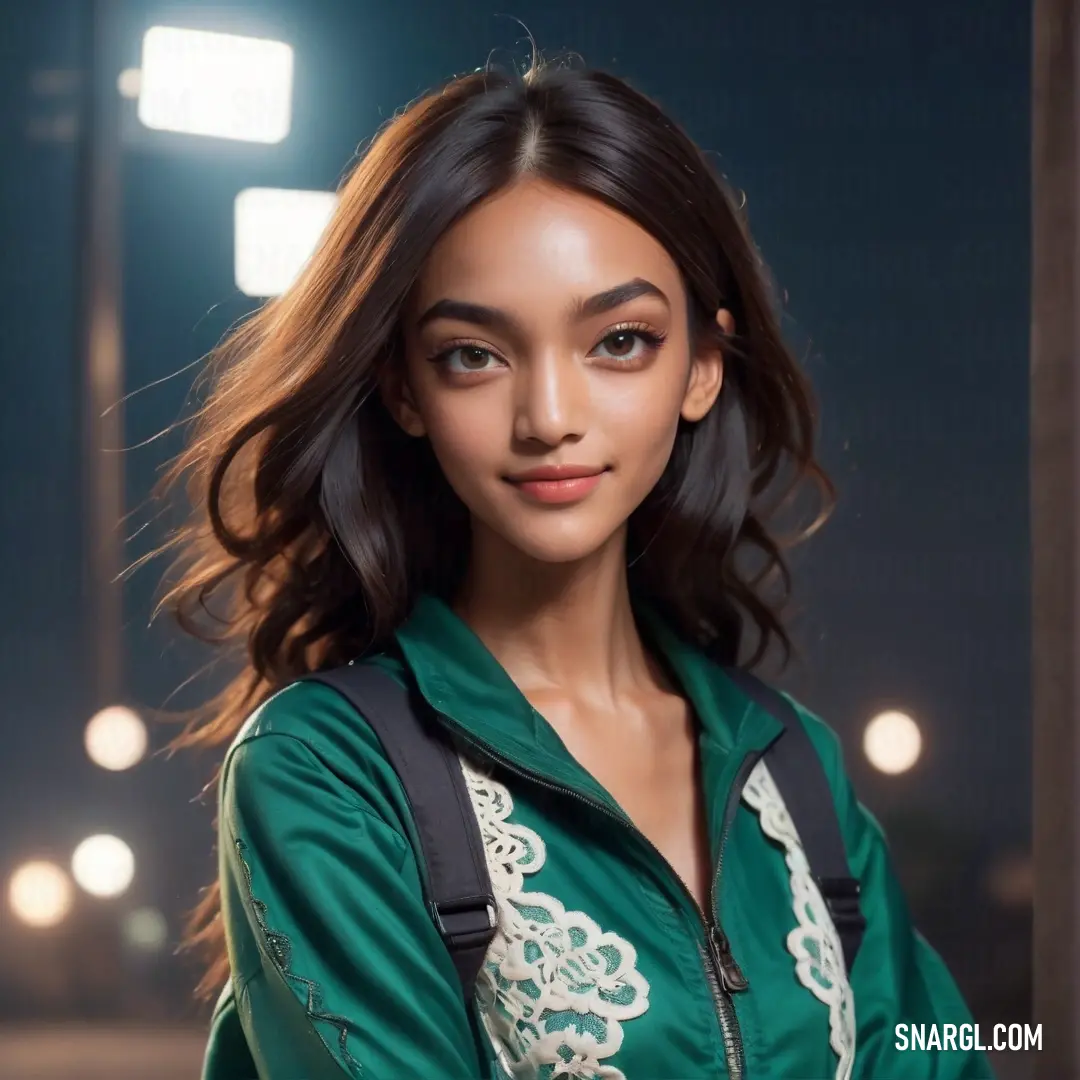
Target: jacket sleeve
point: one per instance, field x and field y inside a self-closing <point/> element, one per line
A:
<point x="338" y="970"/>
<point x="897" y="978"/>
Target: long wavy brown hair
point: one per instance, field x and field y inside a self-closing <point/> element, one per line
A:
<point x="317" y="522"/>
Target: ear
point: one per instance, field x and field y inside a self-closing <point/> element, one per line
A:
<point x="397" y="396"/>
<point x="706" y="373"/>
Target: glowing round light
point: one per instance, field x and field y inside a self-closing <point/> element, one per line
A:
<point x="145" y="929"/>
<point x="892" y="742"/>
<point x="129" y="82"/>
<point x="40" y="894"/>
<point x="1012" y="880"/>
<point x="103" y="865"/>
<point x="116" y="738"/>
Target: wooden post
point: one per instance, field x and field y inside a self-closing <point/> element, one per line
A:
<point x="1055" y="501"/>
<point x="101" y="355"/>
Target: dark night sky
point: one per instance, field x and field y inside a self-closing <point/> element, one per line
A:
<point x="884" y="153"/>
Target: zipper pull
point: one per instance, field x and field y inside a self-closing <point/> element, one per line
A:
<point x="731" y="975"/>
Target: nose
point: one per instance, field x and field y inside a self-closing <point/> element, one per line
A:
<point x="552" y="400"/>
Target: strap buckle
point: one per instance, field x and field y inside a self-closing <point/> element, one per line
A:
<point x="465" y="917"/>
<point x="841" y="896"/>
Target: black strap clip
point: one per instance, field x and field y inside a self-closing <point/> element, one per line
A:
<point x="466" y="920"/>
<point x="841" y="896"/>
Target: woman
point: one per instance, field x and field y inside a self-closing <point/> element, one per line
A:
<point x="513" y="436"/>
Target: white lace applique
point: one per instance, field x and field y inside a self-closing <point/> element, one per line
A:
<point x="555" y="988"/>
<point x="815" y="944"/>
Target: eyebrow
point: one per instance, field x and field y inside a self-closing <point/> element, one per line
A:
<point x="494" y="319"/>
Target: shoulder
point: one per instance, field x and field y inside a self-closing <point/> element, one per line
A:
<point x="747" y="693"/>
<point x="823" y="738"/>
<point x="828" y="746"/>
<point x="316" y="715"/>
<point x="307" y="743"/>
<point x="759" y="695"/>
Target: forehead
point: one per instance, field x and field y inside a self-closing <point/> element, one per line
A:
<point x="534" y="241"/>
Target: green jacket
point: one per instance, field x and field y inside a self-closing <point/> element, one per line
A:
<point x="599" y="966"/>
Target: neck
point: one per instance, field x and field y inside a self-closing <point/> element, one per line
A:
<point x="556" y="626"/>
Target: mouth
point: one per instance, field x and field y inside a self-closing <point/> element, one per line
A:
<point x="557" y="472"/>
<point x="558" y="483"/>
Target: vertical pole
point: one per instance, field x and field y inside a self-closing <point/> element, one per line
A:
<point x="101" y="354"/>
<point x="1055" y="485"/>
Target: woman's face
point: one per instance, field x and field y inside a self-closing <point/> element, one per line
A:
<point x="548" y="361"/>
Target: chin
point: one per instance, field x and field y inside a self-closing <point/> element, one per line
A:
<point x="558" y="553"/>
<point x="561" y="542"/>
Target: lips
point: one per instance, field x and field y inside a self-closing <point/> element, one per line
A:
<point x="554" y="473"/>
<point x="557" y="484"/>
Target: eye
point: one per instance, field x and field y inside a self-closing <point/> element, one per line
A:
<point x="467" y="359"/>
<point x="627" y="344"/>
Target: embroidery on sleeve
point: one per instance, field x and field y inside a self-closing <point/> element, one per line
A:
<point x="555" y="988"/>
<point x="814" y="943"/>
<point x="280" y="949"/>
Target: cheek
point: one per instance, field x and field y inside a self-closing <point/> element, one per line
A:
<point x="466" y="434"/>
<point x="642" y="416"/>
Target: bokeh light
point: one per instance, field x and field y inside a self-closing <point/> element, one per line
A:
<point x="116" y="738"/>
<point x="145" y="929"/>
<point x="129" y="82"/>
<point x="103" y="865"/>
<point x="40" y="894"/>
<point x="892" y="742"/>
<point x="1011" y="880"/>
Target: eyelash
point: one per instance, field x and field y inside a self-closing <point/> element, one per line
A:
<point x="653" y="339"/>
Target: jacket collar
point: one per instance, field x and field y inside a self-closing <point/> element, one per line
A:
<point x="464" y="682"/>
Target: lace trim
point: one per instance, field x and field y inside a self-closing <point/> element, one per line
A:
<point x="280" y="948"/>
<point x="555" y="988"/>
<point x="815" y="944"/>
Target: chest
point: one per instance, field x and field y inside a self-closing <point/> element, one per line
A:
<point x="654" y="774"/>
<point x="594" y="964"/>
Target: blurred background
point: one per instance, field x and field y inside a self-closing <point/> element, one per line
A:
<point x="168" y="165"/>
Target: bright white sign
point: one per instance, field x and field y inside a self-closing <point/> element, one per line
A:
<point x="276" y="231"/>
<point x="220" y="85"/>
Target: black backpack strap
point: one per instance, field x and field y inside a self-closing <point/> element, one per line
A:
<point x="799" y="774"/>
<point x="458" y="885"/>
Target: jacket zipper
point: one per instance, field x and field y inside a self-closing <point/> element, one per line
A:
<point x="722" y="972"/>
